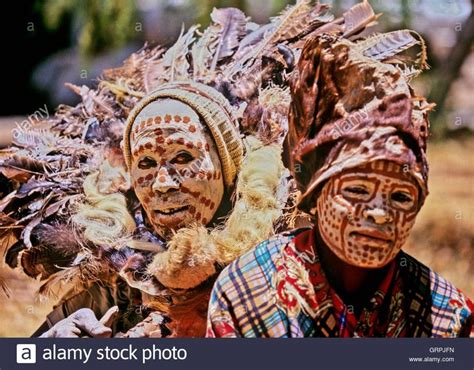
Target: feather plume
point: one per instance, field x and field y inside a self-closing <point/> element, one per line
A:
<point x="359" y="17"/>
<point x="174" y="60"/>
<point x="218" y="41"/>
<point x="26" y="163"/>
<point x="232" y="23"/>
<point x="384" y="46"/>
<point x="252" y="39"/>
<point x="289" y="24"/>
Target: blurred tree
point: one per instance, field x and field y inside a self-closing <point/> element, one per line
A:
<point x="405" y="13"/>
<point x="448" y="71"/>
<point x="102" y="24"/>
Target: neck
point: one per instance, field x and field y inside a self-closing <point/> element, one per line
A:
<point x="355" y="285"/>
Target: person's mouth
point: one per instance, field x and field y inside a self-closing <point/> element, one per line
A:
<point x="170" y="216"/>
<point x="371" y="237"/>
<point x="170" y="211"/>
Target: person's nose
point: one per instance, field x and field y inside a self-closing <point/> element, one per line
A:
<point x="378" y="215"/>
<point x="165" y="181"/>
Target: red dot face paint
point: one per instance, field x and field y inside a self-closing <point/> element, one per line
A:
<point x="365" y="214"/>
<point x="175" y="166"/>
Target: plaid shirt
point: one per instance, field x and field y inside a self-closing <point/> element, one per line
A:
<point x="279" y="290"/>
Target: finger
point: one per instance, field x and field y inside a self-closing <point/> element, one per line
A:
<point x="63" y="329"/>
<point x="110" y="316"/>
<point x="68" y="331"/>
<point x="75" y="330"/>
<point x="85" y="320"/>
<point x="68" y="334"/>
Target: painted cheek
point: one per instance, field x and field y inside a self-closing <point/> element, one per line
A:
<point x="343" y="213"/>
<point x="404" y="222"/>
<point x="206" y="191"/>
<point x="330" y="219"/>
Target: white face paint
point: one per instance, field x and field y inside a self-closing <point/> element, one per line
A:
<point x="365" y="214"/>
<point x="175" y="169"/>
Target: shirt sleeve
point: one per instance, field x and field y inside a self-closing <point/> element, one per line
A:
<point x="221" y="321"/>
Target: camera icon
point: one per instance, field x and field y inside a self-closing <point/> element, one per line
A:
<point x="26" y="353"/>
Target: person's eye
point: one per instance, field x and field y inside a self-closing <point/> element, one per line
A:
<point x="401" y="197"/>
<point x="182" y="158"/>
<point x="356" y="190"/>
<point x="146" y="163"/>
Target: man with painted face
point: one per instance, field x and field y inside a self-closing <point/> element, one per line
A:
<point x="358" y="138"/>
<point x="183" y="152"/>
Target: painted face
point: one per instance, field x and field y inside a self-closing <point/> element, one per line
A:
<point x="365" y="214"/>
<point x="175" y="169"/>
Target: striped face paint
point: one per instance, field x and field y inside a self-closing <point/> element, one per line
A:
<point x="366" y="214"/>
<point x="175" y="169"/>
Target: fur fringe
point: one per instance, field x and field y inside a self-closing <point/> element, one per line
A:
<point x="105" y="218"/>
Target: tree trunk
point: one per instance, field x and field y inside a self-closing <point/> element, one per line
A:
<point x="450" y="67"/>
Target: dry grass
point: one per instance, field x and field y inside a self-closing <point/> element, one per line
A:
<point x="22" y="313"/>
<point x="444" y="232"/>
<point x="443" y="237"/>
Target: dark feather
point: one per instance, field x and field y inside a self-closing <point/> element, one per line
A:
<point x="11" y="256"/>
<point x="28" y="164"/>
<point x="252" y="39"/>
<point x="232" y="23"/>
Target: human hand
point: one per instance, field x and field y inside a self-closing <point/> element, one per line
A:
<point x="83" y="323"/>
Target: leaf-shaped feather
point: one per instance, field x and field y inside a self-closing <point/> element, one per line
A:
<point x="218" y="41"/>
<point x="232" y="22"/>
<point x="292" y="21"/>
<point x="175" y="58"/>
<point x="201" y="52"/>
<point x="29" y="164"/>
<point x="252" y="39"/>
<point x="358" y="17"/>
<point x="384" y="46"/>
<point x="288" y="25"/>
